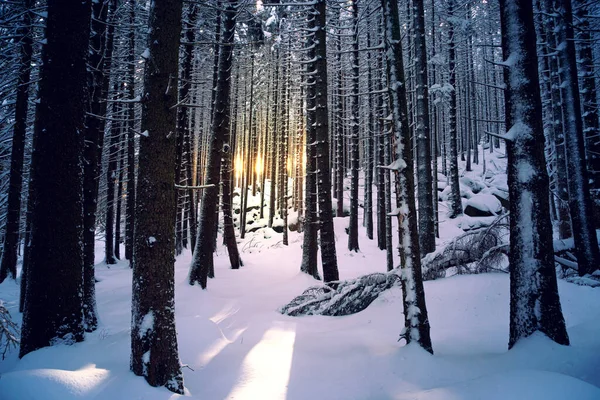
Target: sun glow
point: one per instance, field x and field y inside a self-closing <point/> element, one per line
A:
<point x="238" y="167"/>
<point x="259" y="166"/>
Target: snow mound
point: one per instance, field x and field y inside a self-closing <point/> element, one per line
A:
<point x="514" y="385"/>
<point x="501" y="195"/>
<point x="51" y="384"/>
<point x="465" y="192"/>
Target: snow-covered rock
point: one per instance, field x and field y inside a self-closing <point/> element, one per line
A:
<point x="501" y="195"/>
<point x="465" y="192"/>
<point x="500" y="181"/>
<point x="474" y="183"/>
<point x="483" y="205"/>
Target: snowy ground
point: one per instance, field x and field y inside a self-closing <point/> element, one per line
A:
<point x="237" y="345"/>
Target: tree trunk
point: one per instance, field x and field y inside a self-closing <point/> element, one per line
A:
<point x="273" y="163"/>
<point x="226" y="195"/>
<point x="131" y="175"/>
<point x="340" y="170"/>
<point x="369" y="146"/>
<point x="311" y="221"/>
<point x="434" y="133"/>
<point x="589" y="103"/>
<point x="422" y="133"/>
<point x="534" y="302"/>
<point x="179" y="180"/>
<point x="203" y="261"/>
<point x="118" y="205"/>
<point x="416" y="322"/>
<point x="111" y="181"/>
<point x="247" y="172"/>
<point x="283" y="146"/>
<point x="183" y="125"/>
<point x="8" y="264"/>
<point x="319" y="66"/>
<point x="387" y="194"/>
<point x="382" y="132"/>
<point x="153" y="336"/>
<point x="580" y="201"/>
<point x="558" y="126"/>
<point x="354" y="139"/>
<point x="53" y="303"/>
<point x="455" y="200"/>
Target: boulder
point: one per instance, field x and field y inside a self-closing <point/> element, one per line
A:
<point x="482" y="205"/>
<point x="474" y="183"/>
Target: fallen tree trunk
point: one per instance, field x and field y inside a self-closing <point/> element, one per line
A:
<point x="341" y="297"/>
<point x="477" y="251"/>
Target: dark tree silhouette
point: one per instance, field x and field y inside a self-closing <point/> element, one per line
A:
<point x="53" y="304"/>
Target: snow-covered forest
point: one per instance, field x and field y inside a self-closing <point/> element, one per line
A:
<point x="337" y="199"/>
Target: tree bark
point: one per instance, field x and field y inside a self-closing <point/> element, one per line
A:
<point x="589" y="102"/>
<point x="580" y="201"/>
<point x="534" y="301"/>
<point x="319" y="66"/>
<point x="53" y="303"/>
<point x="154" y="352"/>
<point x="558" y="126"/>
<point x="183" y="123"/>
<point x="8" y="264"/>
<point x="354" y="139"/>
<point x="455" y="200"/>
<point x="416" y="322"/>
<point x="203" y="261"/>
<point x="119" y="207"/>
<point x="311" y="221"/>
<point x="369" y="146"/>
<point x="422" y="133"/>
<point x="131" y="165"/>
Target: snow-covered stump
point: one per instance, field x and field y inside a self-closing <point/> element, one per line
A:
<point x="341" y="297"/>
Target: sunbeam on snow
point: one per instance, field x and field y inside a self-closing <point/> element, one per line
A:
<point x="266" y="369"/>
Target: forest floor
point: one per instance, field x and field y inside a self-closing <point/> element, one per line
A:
<point x="236" y="345"/>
